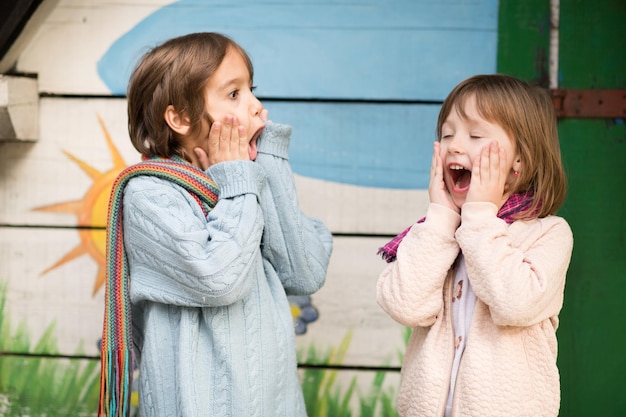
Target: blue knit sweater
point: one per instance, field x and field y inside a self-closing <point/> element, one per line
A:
<point x="212" y="325"/>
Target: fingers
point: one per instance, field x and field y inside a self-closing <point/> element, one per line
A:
<point x="214" y="142"/>
<point x="489" y="173"/>
<point x="490" y="165"/>
<point x="497" y="163"/>
<point x="437" y="191"/>
<point x="228" y="141"/>
<point x="436" y="168"/>
<point x="243" y="143"/>
<point x="435" y="160"/>
<point x="226" y="137"/>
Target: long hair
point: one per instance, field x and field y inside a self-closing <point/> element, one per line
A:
<point x="527" y="114"/>
<point x="174" y="73"/>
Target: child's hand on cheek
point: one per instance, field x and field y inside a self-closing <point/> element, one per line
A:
<point x="227" y="142"/>
<point x="437" y="191"/>
<point x="489" y="174"/>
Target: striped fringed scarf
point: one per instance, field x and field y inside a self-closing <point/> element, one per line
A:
<point x="117" y="341"/>
<point x="515" y="204"/>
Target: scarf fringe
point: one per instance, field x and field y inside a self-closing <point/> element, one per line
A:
<point x="116" y="380"/>
<point x="387" y="257"/>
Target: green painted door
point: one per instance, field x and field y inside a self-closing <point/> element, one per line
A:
<point x="592" y="336"/>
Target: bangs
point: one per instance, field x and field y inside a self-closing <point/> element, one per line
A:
<point x="489" y="104"/>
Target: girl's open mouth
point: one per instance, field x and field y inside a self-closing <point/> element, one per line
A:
<point x="460" y="177"/>
<point x="252" y="150"/>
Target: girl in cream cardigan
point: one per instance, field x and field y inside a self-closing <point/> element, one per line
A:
<point x="480" y="279"/>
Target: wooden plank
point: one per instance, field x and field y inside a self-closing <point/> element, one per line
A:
<point x="19" y="109"/>
<point x="371" y="145"/>
<point x="415" y="50"/>
<point x="355" y="210"/>
<point x="44" y="386"/>
<point x="524" y="39"/>
<point x="591" y="360"/>
<point x="19" y="21"/>
<point x="62" y="387"/>
<point x="53" y="283"/>
<point x="50" y="278"/>
<point x="71" y="158"/>
<point x="13" y="18"/>
<point x="73" y="37"/>
<point x="366" y="393"/>
<point x="347" y="307"/>
<point x="335" y="159"/>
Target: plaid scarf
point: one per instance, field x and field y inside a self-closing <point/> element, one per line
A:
<point x="116" y="353"/>
<point x="516" y="203"/>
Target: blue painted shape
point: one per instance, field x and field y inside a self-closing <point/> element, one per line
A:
<point x="413" y="50"/>
<point x="371" y="145"/>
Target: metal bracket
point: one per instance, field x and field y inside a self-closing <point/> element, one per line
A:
<point x="609" y="104"/>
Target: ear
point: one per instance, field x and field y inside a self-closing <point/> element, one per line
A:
<point x="177" y="122"/>
<point x="517" y="163"/>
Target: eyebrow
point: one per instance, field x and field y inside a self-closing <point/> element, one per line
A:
<point x="230" y="82"/>
<point x="227" y="84"/>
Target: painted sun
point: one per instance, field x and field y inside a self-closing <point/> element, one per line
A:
<point x="91" y="212"/>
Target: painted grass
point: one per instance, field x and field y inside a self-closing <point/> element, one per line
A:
<point x="36" y="386"/>
<point x="324" y="397"/>
<point x="46" y="387"/>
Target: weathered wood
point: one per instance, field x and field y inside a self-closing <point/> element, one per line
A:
<point x="361" y="84"/>
<point x="591" y="360"/>
<point x="347" y="303"/>
<point x="48" y="386"/>
<point x="19" y="21"/>
<point x="54" y="278"/>
<point x="61" y="387"/>
<point x="372" y="393"/>
<point x="414" y="50"/>
<point x="73" y="162"/>
<point x="19" y="109"/>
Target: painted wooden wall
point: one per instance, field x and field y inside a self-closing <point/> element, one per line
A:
<point x="591" y="341"/>
<point x="360" y="82"/>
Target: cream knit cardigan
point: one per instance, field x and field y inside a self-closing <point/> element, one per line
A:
<point x="518" y="274"/>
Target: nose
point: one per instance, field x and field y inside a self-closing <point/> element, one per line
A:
<point x="455" y="145"/>
<point x="256" y="107"/>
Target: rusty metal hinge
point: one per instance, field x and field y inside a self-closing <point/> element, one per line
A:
<point x="590" y="103"/>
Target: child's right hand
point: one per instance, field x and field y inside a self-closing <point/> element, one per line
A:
<point x="437" y="191"/>
<point x="227" y="141"/>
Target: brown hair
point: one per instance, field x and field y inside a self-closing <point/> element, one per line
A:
<point x="174" y="73"/>
<point x="527" y="114"/>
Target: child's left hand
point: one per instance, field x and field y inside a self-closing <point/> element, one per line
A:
<point x="489" y="175"/>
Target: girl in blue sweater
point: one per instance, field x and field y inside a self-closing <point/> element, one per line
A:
<point x="208" y="283"/>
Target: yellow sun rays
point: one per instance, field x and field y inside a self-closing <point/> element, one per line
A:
<point x="91" y="211"/>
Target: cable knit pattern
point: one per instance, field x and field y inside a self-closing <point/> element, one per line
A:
<point x="252" y="352"/>
<point x="212" y="325"/>
<point x="518" y="274"/>
<point x="299" y="274"/>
